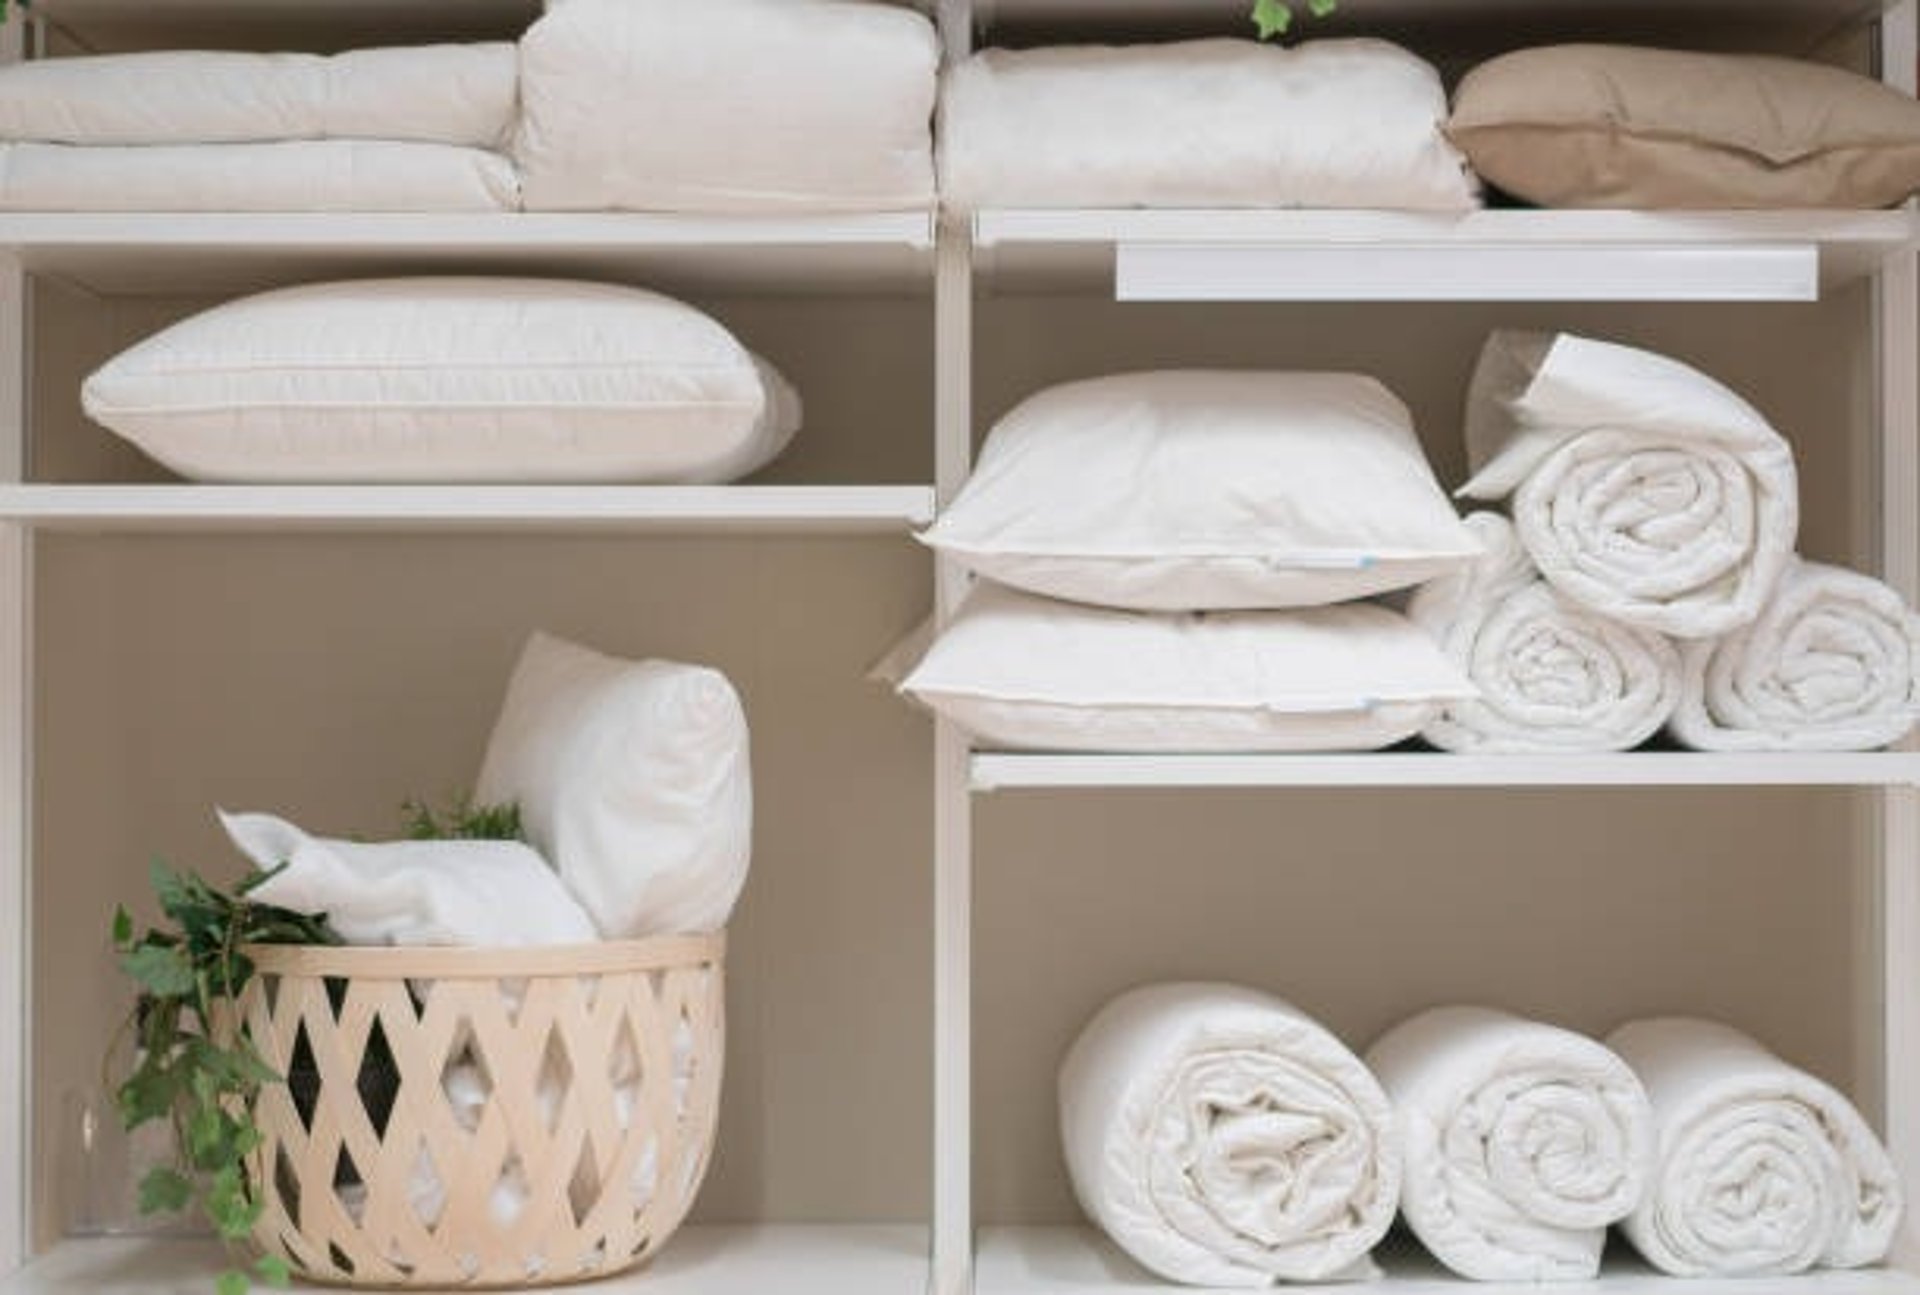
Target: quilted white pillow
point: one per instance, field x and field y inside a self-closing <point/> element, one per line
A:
<point x="1026" y="672"/>
<point x="448" y="379"/>
<point x="1193" y="490"/>
<point x="727" y="106"/>
<point x="1204" y="123"/>
<point x="632" y="778"/>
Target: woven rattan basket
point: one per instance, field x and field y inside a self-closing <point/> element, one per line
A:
<point x="467" y="1118"/>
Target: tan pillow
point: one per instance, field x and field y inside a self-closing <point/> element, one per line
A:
<point x="1620" y="126"/>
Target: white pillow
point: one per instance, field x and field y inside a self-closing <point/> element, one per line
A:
<point x="1193" y="491"/>
<point x="727" y="106"/>
<point x="1207" y="123"/>
<point x="632" y="778"/>
<point x="448" y="379"/>
<point x="1026" y="672"/>
<point x="486" y="894"/>
<point x="442" y="94"/>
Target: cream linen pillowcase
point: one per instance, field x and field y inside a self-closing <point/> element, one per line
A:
<point x="1624" y="126"/>
<point x="1198" y="490"/>
<point x="1031" y="673"/>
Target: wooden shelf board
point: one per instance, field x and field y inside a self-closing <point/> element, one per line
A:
<point x="550" y="508"/>
<point x="214" y="252"/>
<point x="751" y="1260"/>
<point x="997" y="771"/>
<point x="1569" y="255"/>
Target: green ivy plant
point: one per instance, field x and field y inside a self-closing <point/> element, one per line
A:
<point x="193" y="1068"/>
<point x="1272" y="18"/>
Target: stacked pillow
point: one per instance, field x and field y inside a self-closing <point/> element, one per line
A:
<point x="1629" y="127"/>
<point x="450" y="379"/>
<point x="1177" y="557"/>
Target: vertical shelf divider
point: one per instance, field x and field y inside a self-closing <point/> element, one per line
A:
<point x="16" y="737"/>
<point x="1897" y="834"/>
<point x="952" y="1257"/>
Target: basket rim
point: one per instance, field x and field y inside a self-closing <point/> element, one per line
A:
<point x="442" y="963"/>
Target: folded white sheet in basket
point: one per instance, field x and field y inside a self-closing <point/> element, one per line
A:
<point x="1223" y="1138"/>
<point x="477" y="893"/>
<point x="1643" y="489"/>
<point x="1207" y="123"/>
<point x="728" y="106"/>
<point x="1522" y="1141"/>
<point x="292" y="175"/>
<point x="633" y="777"/>
<point x="1761" y="1168"/>
<point x="1552" y="675"/>
<point x="1833" y="664"/>
<point x="442" y="94"/>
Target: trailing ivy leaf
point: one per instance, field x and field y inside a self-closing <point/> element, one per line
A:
<point x="231" y="1282"/>
<point x="1321" y="8"/>
<point x="122" y="919"/>
<point x="160" y="970"/>
<point x="273" y="1270"/>
<point x="164" y="1191"/>
<point x="1272" y="18"/>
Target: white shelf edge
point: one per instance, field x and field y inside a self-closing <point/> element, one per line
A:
<point x="1496" y="254"/>
<point x="456" y="231"/>
<point x="823" y="1259"/>
<point x="1010" y="771"/>
<point x="265" y="507"/>
<point x="1079" y="1261"/>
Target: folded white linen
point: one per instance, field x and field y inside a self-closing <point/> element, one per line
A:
<point x="1223" y="1138"/>
<point x="1833" y="664"/>
<point x="1522" y="1142"/>
<point x="1205" y="123"/>
<point x="478" y="893"/>
<point x="1761" y="1168"/>
<point x="441" y="94"/>
<point x="634" y="778"/>
<point x="1552" y="675"/>
<point x="291" y="175"/>
<point x="1642" y="489"/>
<point x="728" y="106"/>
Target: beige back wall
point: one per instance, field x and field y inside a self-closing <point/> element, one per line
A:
<point x="330" y="676"/>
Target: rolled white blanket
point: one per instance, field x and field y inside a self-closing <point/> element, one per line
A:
<point x="1760" y="1168"/>
<point x="1552" y="675"/>
<point x="1223" y="1138"/>
<point x="1642" y="489"/>
<point x="478" y="893"/>
<point x="1833" y="664"/>
<point x="1522" y="1141"/>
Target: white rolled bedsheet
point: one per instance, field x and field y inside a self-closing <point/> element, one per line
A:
<point x="1522" y="1141"/>
<point x="1552" y="675"/>
<point x="441" y="94"/>
<point x="1643" y="489"/>
<point x="1832" y="664"/>
<point x="1761" y="1168"/>
<point x="1206" y="123"/>
<point x="292" y="175"/>
<point x="1223" y="1138"/>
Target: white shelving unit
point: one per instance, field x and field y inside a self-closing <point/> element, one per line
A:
<point x="1166" y="256"/>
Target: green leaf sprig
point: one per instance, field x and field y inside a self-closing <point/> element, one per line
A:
<point x="1273" y="18"/>
<point x="194" y="1067"/>
<point x="463" y="821"/>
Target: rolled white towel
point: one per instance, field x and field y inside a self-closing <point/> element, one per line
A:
<point x="1522" y="1141"/>
<point x="1833" y="664"/>
<point x="1760" y="1168"/>
<point x="478" y="893"/>
<point x="1552" y="675"/>
<point x="1223" y="1138"/>
<point x="1642" y="489"/>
